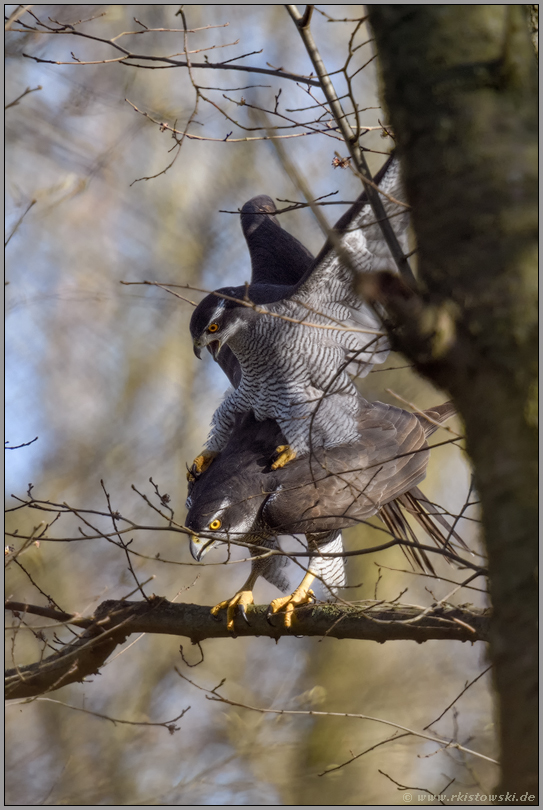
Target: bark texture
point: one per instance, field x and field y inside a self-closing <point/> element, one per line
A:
<point x="460" y="84"/>
<point x="113" y="622"/>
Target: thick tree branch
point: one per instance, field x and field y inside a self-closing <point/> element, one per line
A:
<point x="114" y="621"/>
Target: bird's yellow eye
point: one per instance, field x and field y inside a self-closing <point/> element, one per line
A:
<point x="215" y="524"/>
<point x="213" y="327"/>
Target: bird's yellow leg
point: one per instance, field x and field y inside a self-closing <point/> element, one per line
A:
<point x="283" y="454"/>
<point x="200" y="464"/>
<point x="303" y="595"/>
<point x="241" y="599"/>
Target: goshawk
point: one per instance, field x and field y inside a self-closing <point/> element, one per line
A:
<point x="241" y="498"/>
<point x="296" y="343"/>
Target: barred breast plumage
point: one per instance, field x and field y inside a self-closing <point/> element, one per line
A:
<point x="294" y="372"/>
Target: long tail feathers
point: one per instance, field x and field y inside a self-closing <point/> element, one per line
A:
<point x="425" y="512"/>
<point x="392" y="516"/>
<point x="436" y="526"/>
<point x="438" y="414"/>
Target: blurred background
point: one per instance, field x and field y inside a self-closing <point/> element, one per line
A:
<point x="104" y="375"/>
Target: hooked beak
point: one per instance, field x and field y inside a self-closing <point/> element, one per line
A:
<point x="214" y="348"/>
<point x="199" y="546"/>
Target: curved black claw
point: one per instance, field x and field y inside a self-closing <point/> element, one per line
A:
<point x="244" y="613"/>
<point x="192" y="473"/>
<point x="269" y="614"/>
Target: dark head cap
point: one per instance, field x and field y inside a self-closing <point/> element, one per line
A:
<point x="211" y="316"/>
<point x="226" y="501"/>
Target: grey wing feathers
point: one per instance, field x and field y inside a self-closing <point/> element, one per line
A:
<point x="359" y="220"/>
<point x="348" y="484"/>
<point x="329" y="287"/>
<point x="376" y="477"/>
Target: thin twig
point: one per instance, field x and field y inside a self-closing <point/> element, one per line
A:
<point x="168" y="724"/>
<point x="464" y="690"/>
<point x="18" y="446"/>
<point x="16" y="15"/>
<point x="23" y="215"/>
<point x="446" y="744"/>
<point x="25" y="93"/>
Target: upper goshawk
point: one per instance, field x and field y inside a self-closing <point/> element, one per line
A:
<point x="296" y="342"/>
<point x="241" y="498"/>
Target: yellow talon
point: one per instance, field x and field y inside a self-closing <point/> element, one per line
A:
<point x="200" y="464"/>
<point x="283" y="454"/>
<point x="301" y="596"/>
<point x="241" y="600"/>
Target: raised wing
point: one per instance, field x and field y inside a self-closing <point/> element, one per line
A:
<point x="329" y="286"/>
<point x="277" y="258"/>
<point x="360" y="236"/>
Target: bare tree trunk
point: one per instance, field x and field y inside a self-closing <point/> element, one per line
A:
<point x="533" y="16"/>
<point x="460" y="85"/>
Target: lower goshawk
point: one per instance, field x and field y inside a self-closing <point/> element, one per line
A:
<point x="240" y="498"/>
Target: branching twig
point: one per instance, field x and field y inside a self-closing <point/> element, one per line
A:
<point x="163" y="61"/>
<point x="464" y="690"/>
<point x="23" y="94"/>
<point x="167" y="724"/>
<point x="351" y="141"/>
<point x="445" y="744"/>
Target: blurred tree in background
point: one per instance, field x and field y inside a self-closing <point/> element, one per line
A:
<point x="105" y="376"/>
